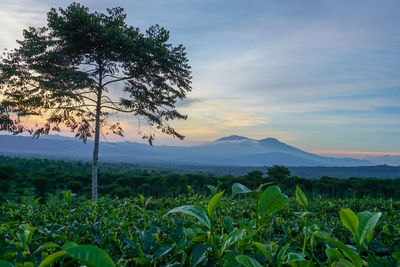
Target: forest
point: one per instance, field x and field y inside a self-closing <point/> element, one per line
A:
<point x="41" y="177"/>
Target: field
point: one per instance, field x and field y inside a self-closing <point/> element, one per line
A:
<point x="249" y="228"/>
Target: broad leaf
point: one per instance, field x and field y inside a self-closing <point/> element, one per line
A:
<point x="349" y="219"/>
<point x="256" y="195"/>
<point x="68" y="245"/>
<point x="296" y="260"/>
<point x="367" y="223"/>
<point x="272" y="200"/>
<point x="342" y="263"/>
<point x="247" y="261"/>
<point x="264" y="250"/>
<point x="46" y="246"/>
<point x="162" y="251"/>
<point x="199" y="254"/>
<point x="231" y="239"/>
<point x="194" y="210"/>
<point x="301" y="198"/>
<point x="90" y="255"/>
<point x="212" y="205"/>
<point x="357" y="261"/>
<point x="293" y="257"/>
<point x="239" y="189"/>
<point x="333" y="254"/>
<point x="52" y="258"/>
<point x="230" y="259"/>
<point x="281" y="255"/>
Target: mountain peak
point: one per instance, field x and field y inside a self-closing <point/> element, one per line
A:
<point x="232" y="138"/>
<point x="270" y="140"/>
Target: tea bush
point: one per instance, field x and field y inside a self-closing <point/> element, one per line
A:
<point x="260" y="227"/>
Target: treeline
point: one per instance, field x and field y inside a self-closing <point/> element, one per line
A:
<point x="44" y="177"/>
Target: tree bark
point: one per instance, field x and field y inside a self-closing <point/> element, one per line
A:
<point x="95" y="166"/>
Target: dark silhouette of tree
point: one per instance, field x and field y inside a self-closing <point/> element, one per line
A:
<point x="85" y="67"/>
<point x="278" y="174"/>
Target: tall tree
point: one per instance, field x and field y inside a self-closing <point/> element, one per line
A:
<point x="278" y="174"/>
<point x="85" y="67"/>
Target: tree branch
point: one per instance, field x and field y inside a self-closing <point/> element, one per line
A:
<point x="117" y="80"/>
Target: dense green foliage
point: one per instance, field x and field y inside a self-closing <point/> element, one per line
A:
<point x="252" y="228"/>
<point x="42" y="177"/>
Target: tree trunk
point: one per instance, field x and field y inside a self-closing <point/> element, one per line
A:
<point x="95" y="166"/>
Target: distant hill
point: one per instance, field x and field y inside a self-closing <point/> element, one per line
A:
<point x="388" y="159"/>
<point x="227" y="151"/>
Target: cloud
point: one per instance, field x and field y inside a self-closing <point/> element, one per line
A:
<point x="286" y="68"/>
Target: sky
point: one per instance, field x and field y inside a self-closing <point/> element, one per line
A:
<point x="319" y="75"/>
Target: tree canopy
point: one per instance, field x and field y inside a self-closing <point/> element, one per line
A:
<point x="61" y="70"/>
<point x="83" y="68"/>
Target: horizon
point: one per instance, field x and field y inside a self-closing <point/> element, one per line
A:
<point x="319" y="76"/>
<point x="362" y="155"/>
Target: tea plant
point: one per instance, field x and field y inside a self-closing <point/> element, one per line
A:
<point x="261" y="227"/>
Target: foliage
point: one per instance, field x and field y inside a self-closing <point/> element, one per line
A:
<point x="85" y="67"/>
<point x="201" y="230"/>
<point x="46" y="177"/>
<point x="278" y="174"/>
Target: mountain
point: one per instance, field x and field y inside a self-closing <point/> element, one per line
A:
<point x="233" y="138"/>
<point x="387" y="159"/>
<point x="233" y="150"/>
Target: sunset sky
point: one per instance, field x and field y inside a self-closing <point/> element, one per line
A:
<point x="320" y="75"/>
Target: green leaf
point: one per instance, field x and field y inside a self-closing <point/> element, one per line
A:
<point x="350" y="220"/>
<point x="247" y="261"/>
<point x="194" y="210"/>
<point x="256" y="195"/>
<point x="239" y="189"/>
<point x="212" y="205"/>
<point x="295" y="260"/>
<point x="28" y="234"/>
<point x="342" y="263"/>
<point x="199" y="254"/>
<point x="68" y="245"/>
<point x="282" y="254"/>
<point x="264" y="250"/>
<point x="142" y="261"/>
<point x="301" y="198"/>
<point x="396" y="256"/>
<point x="231" y="239"/>
<point x="52" y="258"/>
<point x="4" y="263"/>
<point x="357" y="261"/>
<point x="230" y="259"/>
<point x="162" y="251"/>
<point x="213" y="189"/>
<point x="141" y="198"/>
<point x="46" y="246"/>
<point x="272" y="200"/>
<point x="90" y="255"/>
<point x="367" y="223"/>
<point x="333" y="254"/>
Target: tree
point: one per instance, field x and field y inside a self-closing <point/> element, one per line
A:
<point x="85" y="68"/>
<point x="278" y="174"/>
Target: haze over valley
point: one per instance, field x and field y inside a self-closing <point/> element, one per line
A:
<point x="232" y="151"/>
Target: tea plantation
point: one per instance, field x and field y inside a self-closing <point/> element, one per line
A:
<point x="244" y="227"/>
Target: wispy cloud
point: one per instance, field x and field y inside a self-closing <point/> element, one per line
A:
<point x="305" y="72"/>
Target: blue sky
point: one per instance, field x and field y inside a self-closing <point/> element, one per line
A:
<point x="319" y="75"/>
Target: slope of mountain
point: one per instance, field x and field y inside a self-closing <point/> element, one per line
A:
<point x="387" y="159"/>
<point x="227" y="151"/>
